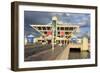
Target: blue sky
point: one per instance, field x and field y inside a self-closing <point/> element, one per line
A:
<point x="36" y="17"/>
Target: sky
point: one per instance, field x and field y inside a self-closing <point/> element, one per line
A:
<point x="44" y="18"/>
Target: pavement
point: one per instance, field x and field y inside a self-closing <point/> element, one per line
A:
<point x="45" y="52"/>
<point x="64" y="55"/>
<point x="58" y="54"/>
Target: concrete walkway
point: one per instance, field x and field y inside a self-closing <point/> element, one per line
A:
<point x="64" y="55"/>
<point x="46" y="54"/>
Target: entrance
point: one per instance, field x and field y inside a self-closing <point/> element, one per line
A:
<point x="49" y="41"/>
<point x="75" y="50"/>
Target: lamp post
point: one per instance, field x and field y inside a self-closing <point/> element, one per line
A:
<point x="54" y="30"/>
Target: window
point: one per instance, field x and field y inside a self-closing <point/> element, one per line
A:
<point x="66" y="28"/>
<point x="39" y="28"/>
<point x="58" y="28"/>
<point x="62" y="28"/>
<point x="48" y="28"/>
<point x="44" y="28"/>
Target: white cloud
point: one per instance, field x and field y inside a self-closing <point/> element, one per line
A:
<point x="68" y="14"/>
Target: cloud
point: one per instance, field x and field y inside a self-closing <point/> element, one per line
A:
<point x="34" y="17"/>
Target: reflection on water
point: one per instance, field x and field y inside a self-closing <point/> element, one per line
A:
<point x="79" y="55"/>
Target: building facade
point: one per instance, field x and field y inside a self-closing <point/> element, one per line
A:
<point x="56" y="33"/>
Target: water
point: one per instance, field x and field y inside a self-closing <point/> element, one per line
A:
<point x="79" y="55"/>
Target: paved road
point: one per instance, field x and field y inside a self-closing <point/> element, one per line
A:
<point x="35" y="48"/>
<point x="44" y="52"/>
<point x="47" y="54"/>
<point x="64" y="54"/>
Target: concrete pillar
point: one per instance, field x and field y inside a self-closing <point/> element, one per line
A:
<point x="25" y="41"/>
<point x="85" y="44"/>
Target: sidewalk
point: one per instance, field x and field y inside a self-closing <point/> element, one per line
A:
<point x="64" y="55"/>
